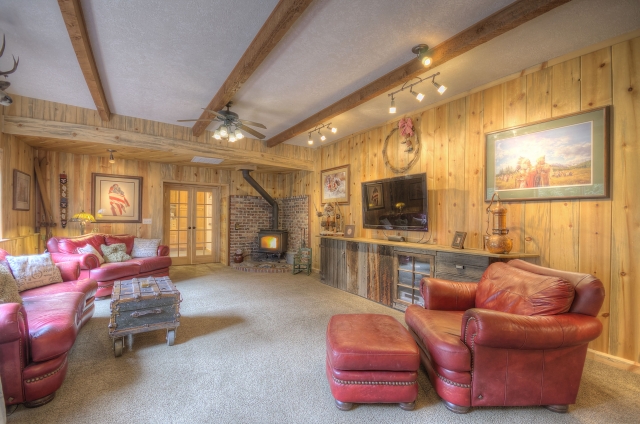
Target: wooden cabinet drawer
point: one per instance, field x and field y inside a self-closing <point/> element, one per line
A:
<point x="462" y="259"/>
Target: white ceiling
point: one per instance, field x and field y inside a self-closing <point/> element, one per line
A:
<point x="165" y="60"/>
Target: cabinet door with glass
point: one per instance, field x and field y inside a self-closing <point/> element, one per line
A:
<point x="410" y="269"/>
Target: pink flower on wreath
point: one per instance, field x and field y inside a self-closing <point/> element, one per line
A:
<point x="406" y="127"/>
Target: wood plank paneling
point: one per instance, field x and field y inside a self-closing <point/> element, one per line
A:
<point x="596" y="79"/>
<point x="624" y="328"/>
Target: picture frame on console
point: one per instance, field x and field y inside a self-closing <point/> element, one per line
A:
<point x="21" y="191"/>
<point x="116" y="198"/>
<point x="458" y="240"/>
<point x="559" y="158"/>
<point x="335" y="185"/>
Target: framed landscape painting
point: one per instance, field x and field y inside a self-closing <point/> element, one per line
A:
<point x="116" y="198"/>
<point x="335" y="185"/>
<point x="560" y="158"/>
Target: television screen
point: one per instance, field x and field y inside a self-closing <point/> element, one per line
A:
<point x="398" y="203"/>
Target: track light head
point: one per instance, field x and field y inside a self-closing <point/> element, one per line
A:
<point x="332" y="129"/>
<point x="392" y="108"/>
<point x="421" y="51"/>
<point x="441" y="88"/>
<point x="322" y="137"/>
<point x="111" y="158"/>
<point x="310" y="140"/>
<point x="418" y="96"/>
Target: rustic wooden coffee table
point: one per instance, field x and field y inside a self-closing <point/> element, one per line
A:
<point x="143" y="304"/>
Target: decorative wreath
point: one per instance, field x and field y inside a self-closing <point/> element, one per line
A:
<point x="405" y="126"/>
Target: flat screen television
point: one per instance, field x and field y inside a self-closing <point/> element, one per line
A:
<point x="398" y="203"/>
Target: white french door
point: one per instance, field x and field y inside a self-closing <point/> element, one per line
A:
<point x="192" y="223"/>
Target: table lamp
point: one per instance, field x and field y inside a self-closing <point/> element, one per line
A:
<point x="83" y="217"/>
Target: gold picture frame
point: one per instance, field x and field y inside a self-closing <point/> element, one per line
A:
<point x="335" y="185"/>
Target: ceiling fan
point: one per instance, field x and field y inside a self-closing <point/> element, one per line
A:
<point x="231" y="125"/>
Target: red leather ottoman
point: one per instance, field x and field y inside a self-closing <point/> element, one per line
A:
<point x="371" y="359"/>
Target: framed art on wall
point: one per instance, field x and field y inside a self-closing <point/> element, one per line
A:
<point x="116" y="198"/>
<point x="559" y="158"/>
<point x="375" y="196"/>
<point x="335" y="185"/>
<point x="21" y="190"/>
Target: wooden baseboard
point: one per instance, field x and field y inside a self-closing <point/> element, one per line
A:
<point x="614" y="361"/>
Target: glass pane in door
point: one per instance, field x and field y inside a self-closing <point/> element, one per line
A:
<point x="178" y="209"/>
<point x="204" y="223"/>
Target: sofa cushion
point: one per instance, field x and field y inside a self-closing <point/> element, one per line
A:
<point x="115" y="253"/>
<point x="120" y="238"/>
<point x="151" y="264"/>
<point x="34" y="271"/>
<point x="145" y="248"/>
<point x="53" y="322"/>
<point x="508" y="289"/>
<point x="92" y="250"/>
<point x="108" y="272"/>
<point x="88" y="287"/>
<point x="439" y="332"/>
<point x="8" y="287"/>
<point x="71" y="245"/>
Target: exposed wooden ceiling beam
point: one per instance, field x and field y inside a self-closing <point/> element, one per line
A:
<point x="31" y="127"/>
<point x="74" y="21"/>
<point x="487" y="29"/>
<point x="281" y="19"/>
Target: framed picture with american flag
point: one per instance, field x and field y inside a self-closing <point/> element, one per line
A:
<point x="116" y="198"/>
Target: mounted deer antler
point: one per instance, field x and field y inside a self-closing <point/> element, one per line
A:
<point x="15" y="62"/>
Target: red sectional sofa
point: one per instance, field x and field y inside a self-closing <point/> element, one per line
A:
<point x="35" y="337"/>
<point x="63" y="249"/>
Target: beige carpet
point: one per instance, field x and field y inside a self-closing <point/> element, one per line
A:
<point x="251" y="349"/>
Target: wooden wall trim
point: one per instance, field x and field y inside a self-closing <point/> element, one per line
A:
<point x="614" y="361"/>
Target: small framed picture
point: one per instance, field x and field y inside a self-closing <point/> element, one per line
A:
<point x="375" y="196"/>
<point x="21" y="190"/>
<point x="349" y="231"/>
<point x="458" y="240"/>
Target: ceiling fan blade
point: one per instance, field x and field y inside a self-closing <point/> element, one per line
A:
<point x="252" y="132"/>
<point x="219" y="115"/>
<point x="194" y="120"/>
<point x="253" y="124"/>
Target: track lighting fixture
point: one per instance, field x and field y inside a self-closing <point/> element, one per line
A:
<point x="111" y="158"/>
<point x="421" y="50"/>
<point x="419" y="96"/>
<point x="322" y="136"/>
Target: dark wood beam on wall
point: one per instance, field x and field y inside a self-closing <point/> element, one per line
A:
<point x="74" y="21"/>
<point x="276" y="26"/>
<point x="487" y="29"/>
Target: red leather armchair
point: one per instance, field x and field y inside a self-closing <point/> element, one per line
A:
<point x="35" y="337"/>
<point x="518" y="337"/>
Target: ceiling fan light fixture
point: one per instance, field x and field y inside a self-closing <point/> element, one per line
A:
<point x="111" y="158"/>
<point x="232" y="137"/>
<point x="224" y="131"/>
<point x="216" y="134"/>
<point x="238" y="134"/>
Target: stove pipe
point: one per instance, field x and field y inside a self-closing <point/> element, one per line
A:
<point x="263" y="193"/>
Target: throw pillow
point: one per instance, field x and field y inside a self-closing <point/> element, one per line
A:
<point x="145" y="248"/>
<point x="90" y="249"/>
<point x="115" y="253"/>
<point x="8" y="287"/>
<point x="127" y="239"/>
<point x="31" y="271"/>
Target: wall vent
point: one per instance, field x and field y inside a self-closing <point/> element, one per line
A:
<point x="211" y="161"/>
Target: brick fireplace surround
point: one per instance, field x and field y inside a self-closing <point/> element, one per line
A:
<point x="251" y="213"/>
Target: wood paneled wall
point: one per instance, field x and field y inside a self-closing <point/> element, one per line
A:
<point x="601" y="237"/>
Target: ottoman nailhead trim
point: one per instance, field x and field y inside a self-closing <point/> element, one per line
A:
<point x="42" y="377"/>
<point x="376" y="383"/>
<point x="453" y="383"/>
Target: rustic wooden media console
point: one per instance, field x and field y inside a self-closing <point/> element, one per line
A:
<point x="389" y="272"/>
